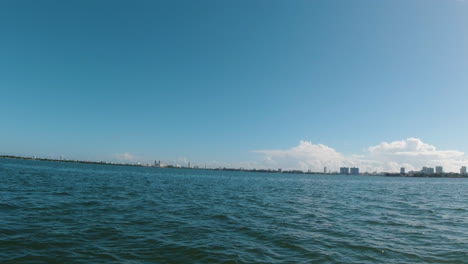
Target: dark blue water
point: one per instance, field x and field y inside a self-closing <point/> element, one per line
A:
<point x="78" y="213"/>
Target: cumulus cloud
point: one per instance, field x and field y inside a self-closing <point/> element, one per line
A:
<point x="127" y="157"/>
<point x="304" y="156"/>
<point x="411" y="153"/>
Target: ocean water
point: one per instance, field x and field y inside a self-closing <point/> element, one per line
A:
<point x="78" y="213"/>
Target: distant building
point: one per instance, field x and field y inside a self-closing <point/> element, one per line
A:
<point x="402" y="170"/>
<point x="427" y="170"/>
<point x="279" y="170"/>
<point x="354" y="171"/>
<point x="463" y="170"/>
<point x="157" y="163"/>
<point x="324" y="170"/>
<point x="189" y="165"/>
<point x="344" y="170"/>
<point x="439" y="170"/>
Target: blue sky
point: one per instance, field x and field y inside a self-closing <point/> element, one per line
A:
<point x="218" y="80"/>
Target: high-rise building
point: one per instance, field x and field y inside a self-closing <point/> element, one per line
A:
<point x="324" y="170"/>
<point x="439" y="169"/>
<point x="189" y="165"/>
<point x="402" y="170"/>
<point x="354" y="171"/>
<point x="157" y="163"/>
<point x="463" y="170"/>
<point x="344" y="170"/>
<point x="427" y="170"/>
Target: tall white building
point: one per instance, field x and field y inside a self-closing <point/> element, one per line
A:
<point x="344" y="170"/>
<point x="439" y="169"/>
<point x="463" y="170"/>
<point x="427" y="170"/>
<point x="354" y="171"/>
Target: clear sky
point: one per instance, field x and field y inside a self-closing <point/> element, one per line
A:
<point x="217" y="80"/>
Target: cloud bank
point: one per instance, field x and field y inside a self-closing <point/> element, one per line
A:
<point x="411" y="153"/>
<point x="125" y="157"/>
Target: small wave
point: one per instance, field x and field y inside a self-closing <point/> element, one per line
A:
<point x="61" y="193"/>
<point x="90" y="203"/>
<point x="8" y="206"/>
<point x="220" y="217"/>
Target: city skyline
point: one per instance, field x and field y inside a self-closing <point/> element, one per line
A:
<point x="431" y="160"/>
<point x="265" y="84"/>
<point x="353" y="171"/>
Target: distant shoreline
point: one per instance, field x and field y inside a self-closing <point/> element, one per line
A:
<point x="69" y="161"/>
<point x="383" y="174"/>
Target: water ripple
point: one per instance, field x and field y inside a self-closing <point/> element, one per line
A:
<point x="77" y="213"/>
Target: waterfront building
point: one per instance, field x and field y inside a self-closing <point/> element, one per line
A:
<point x="439" y="169"/>
<point x="427" y="170"/>
<point x="157" y="163"/>
<point x="402" y="170"/>
<point x="324" y="170"/>
<point x="463" y="170"/>
<point x="344" y="170"/>
<point x="354" y="171"/>
<point x="189" y="165"/>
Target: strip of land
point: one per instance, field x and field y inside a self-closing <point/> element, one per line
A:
<point x="387" y="174"/>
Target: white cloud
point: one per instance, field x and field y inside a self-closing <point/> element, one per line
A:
<point x="411" y="153"/>
<point x="127" y="157"/>
<point x="305" y="156"/>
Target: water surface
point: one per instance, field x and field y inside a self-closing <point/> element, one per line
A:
<point x="53" y="212"/>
